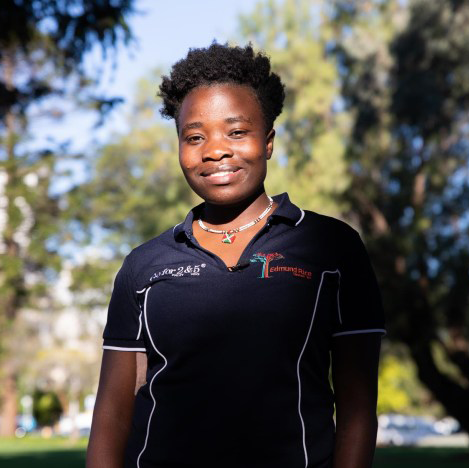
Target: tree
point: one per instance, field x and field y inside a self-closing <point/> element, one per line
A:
<point x="409" y="92"/>
<point x="309" y="158"/>
<point x="46" y="408"/>
<point x="139" y="173"/>
<point x="400" y="390"/>
<point x="42" y="45"/>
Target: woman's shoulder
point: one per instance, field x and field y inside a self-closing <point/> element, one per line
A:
<point x="334" y="238"/>
<point x="328" y="225"/>
<point x="157" y="250"/>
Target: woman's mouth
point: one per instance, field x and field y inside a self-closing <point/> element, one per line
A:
<point x="221" y="176"/>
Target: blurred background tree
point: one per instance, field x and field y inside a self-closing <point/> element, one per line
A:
<point x="139" y="173"/>
<point x="46" y="408"/>
<point x="400" y="390"/>
<point x="42" y="46"/>
<point x="406" y="82"/>
<point x="309" y="159"/>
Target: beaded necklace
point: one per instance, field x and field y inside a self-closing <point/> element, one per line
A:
<point x="229" y="235"/>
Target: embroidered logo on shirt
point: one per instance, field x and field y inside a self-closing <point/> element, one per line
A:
<point x="265" y="259"/>
<point x="188" y="270"/>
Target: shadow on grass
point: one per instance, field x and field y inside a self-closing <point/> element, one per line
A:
<point x="73" y="458"/>
<point x="385" y="458"/>
<point x="421" y="457"/>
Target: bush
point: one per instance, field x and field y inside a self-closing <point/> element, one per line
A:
<point x="47" y="408"/>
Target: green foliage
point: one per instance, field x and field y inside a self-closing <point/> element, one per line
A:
<point x="407" y="89"/>
<point x="42" y="46"/>
<point x="46" y="408"/>
<point x="400" y="390"/>
<point x="393" y="395"/>
<point x="93" y="274"/>
<point x="55" y="36"/>
<point x="139" y="173"/>
<point x="309" y="156"/>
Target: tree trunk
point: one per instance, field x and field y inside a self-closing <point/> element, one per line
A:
<point x="9" y="404"/>
<point x="454" y="397"/>
<point x="14" y="280"/>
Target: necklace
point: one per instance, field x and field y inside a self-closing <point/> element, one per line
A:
<point x="229" y="235"/>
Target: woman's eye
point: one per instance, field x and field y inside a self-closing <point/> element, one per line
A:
<point x="193" y="138"/>
<point x="238" y="133"/>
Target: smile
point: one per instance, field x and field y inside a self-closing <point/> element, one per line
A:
<point x="221" y="173"/>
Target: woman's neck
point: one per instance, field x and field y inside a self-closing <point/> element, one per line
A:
<point x="231" y="216"/>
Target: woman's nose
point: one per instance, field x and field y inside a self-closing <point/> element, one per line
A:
<point x="216" y="150"/>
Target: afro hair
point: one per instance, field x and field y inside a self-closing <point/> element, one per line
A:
<point x="219" y="64"/>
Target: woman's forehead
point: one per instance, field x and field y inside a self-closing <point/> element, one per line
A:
<point x="225" y="100"/>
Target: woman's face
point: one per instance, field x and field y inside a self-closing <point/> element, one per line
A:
<point x="223" y="146"/>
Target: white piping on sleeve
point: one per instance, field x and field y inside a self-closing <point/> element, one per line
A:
<point x="301" y="217"/>
<point x="356" y="332"/>
<point x="119" y="348"/>
<point x="338" y="298"/>
<point x="140" y="325"/>
<point x="140" y="316"/>
<point x="298" y="364"/>
<point x="153" y="378"/>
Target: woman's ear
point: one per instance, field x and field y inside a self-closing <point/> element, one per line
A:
<point x="269" y="142"/>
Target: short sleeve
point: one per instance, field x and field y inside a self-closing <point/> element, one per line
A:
<point x="360" y="308"/>
<point x="123" y="331"/>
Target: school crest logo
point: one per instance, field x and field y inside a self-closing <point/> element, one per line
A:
<point x="267" y="269"/>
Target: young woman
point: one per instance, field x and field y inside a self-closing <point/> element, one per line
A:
<point x="240" y="306"/>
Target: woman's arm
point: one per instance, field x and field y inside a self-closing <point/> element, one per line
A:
<point x="355" y="361"/>
<point x="113" y="410"/>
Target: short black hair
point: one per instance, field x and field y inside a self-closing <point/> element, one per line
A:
<point x="219" y="64"/>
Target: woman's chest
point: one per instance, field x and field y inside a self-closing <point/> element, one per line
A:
<point x="273" y="300"/>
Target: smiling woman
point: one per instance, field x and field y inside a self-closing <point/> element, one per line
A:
<point x="224" y="159"/>
<point x="224" y="156"/>
<point x="238" y="350"/>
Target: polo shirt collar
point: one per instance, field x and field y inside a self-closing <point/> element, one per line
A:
<point x="286" y="211"/>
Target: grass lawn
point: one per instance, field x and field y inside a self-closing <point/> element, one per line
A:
<point x="36" y="452"/>
<point x="407" y="457"/>
<point x="59" y="453"/>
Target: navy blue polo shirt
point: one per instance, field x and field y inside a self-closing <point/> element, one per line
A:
<point x="238" y="358"/>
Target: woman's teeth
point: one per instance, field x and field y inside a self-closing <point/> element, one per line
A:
<point x="220" y="174"/>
